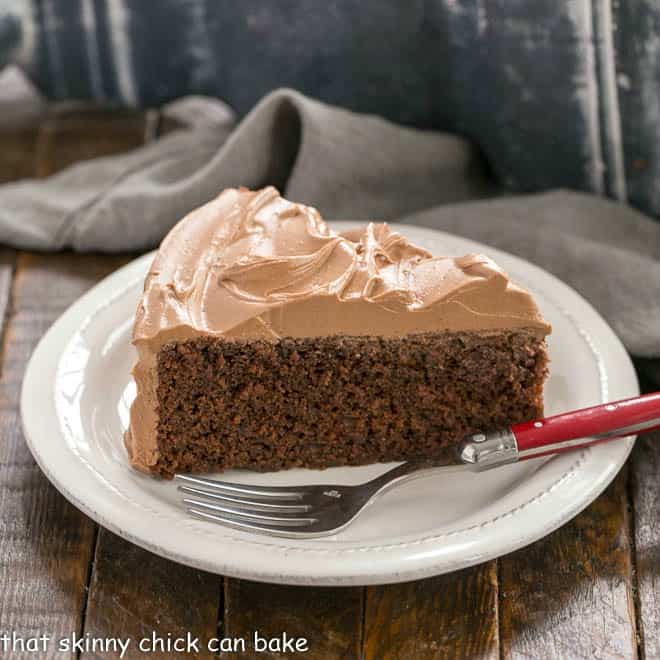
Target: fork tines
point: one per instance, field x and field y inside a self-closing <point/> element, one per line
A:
<point x="248" y="507"/>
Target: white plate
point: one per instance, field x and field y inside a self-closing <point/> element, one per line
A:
<point x="75" y="400"/>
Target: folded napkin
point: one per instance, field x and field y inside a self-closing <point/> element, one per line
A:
<point x="349" y="166"/>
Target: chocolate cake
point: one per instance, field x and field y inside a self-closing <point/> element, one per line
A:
<point x="268" y="341"/>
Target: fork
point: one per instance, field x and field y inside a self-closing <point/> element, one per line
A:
<point x="320" y="510"/>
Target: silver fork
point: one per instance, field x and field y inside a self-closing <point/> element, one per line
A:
<point x="290" y="511"/>
<point x="321" y="510"/>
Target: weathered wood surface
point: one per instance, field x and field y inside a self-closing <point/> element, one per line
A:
<point x="570" y="595"/>
<point x="18" y="157"/>
<point x="588" y="590"/>
<point x="45" y="543"/>
<point x="64" y="137"/>
<point x="329" y="618"/>
<point x="645" y="492"/>
<point x="450" y="616"/>
<point x="135" y="594"/>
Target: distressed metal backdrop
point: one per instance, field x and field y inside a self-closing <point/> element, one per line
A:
<point x="558" y="93"/>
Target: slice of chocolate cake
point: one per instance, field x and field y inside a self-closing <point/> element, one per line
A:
<point x="268" y="341"/>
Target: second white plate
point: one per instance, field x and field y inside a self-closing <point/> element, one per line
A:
<point x="75" y="399"/>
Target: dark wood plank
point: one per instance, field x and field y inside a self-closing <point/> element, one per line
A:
<point x="570" y="595"/>
<point x="18" y="149"/>
<point x="45" y="544"/>
<point x="645" y="488"/>
<point x="7" y="266"/>
<point x="134" y="594"/>
<point x="329" y="618"/>
<point x="450" y="616"/>
<point x="68" y="137"/>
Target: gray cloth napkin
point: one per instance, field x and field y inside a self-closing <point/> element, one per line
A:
<point x="350" y="166"/>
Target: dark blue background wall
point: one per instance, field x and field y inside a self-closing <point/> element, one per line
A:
<point x="556" y="92"/>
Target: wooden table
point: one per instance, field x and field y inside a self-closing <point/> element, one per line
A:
<point x="589" y="590"/>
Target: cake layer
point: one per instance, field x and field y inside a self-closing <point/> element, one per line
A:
<point x="338" y="400"/>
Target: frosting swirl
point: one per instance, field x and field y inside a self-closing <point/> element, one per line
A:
<point x="251" y="264"/>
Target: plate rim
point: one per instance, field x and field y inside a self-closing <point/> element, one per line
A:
<point x="55" y="337"/>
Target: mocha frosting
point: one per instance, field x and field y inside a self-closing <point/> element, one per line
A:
<point x="252" y="265"/>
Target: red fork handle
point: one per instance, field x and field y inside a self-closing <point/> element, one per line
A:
<point x="588" y="426"/>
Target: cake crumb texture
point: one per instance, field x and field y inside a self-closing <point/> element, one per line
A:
<point x="339" y="400"/>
